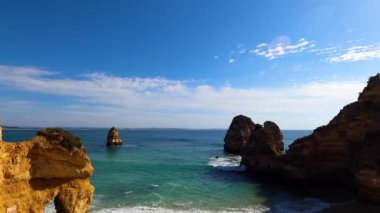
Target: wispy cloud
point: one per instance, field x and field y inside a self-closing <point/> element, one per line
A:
<point x="356" y="53"/>
<point x="163" y="102"/>
<point x="281" y="47"/>
<point x="231" y="60"/>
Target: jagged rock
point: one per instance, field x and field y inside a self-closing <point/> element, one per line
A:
<point x="331" y="152"/>
<point x="346" y="151"/>
<point x="113" y="138"/>
<point x="35" y="172"/>
<point x="264" y="148"/>
<point x="276" y="133"/>
<point x="238" y="134"/>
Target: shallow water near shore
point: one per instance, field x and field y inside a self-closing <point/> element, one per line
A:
<point x="162" y="170"/>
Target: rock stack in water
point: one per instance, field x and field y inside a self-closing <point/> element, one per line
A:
<point x="238" y="134"/>
<point x="113" y="138"/>
<point x="345" y="151"/>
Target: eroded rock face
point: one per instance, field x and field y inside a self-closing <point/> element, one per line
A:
<point x="331" y="152"/>
<point x="272" y="128"/>
<point x="113" y="138"/>
<point x="35" y="172"/>
<point x="345" y="151"/>
<point x="238" y="134"/>
<point x="263" y="149"/>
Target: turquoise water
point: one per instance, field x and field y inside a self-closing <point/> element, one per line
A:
<point x="160" y="170"/>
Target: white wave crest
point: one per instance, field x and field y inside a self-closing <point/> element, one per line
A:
<point x="229" y="162"/>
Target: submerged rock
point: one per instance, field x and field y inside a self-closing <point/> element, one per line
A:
<point x="35" y="172"/>
<point x="113" y="138"/>
<point x="238" y="134"/>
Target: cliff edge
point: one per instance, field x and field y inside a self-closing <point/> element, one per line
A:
<point x="346" y="151"/>
<point x="45" y="168"/>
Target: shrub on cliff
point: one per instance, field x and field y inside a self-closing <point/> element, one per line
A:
<point x="64" y="138"/>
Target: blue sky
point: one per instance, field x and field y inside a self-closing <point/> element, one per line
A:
<point x="186" y="64"/>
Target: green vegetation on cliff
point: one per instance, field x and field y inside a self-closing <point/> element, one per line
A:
<point x="64" y="138"/>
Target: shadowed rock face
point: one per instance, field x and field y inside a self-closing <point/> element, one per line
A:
<point x="35" y="172"/>
<point x="264" y="148"/>
<point x="368" y="168"/>
<point x="272" y="128"/>
<point x="113" y="138"/>
<point x="332" y="151"/>
<point x="238" y="134"/>
<point x="345" y="151"/>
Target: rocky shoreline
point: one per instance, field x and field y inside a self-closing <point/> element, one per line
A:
<point x="345" y="151"/>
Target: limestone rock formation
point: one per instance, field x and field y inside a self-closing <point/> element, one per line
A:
<point x="113" y="138"/>
<point x="345" y="151"/>
<point x="238" y="134"/>
<point x="332" y="151"/>
<point x="264" y="148"/>
<point x="35" y="172"/>
<point x="276" y="133"/>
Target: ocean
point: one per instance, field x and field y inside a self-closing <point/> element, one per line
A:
<point x="174" y="170"/>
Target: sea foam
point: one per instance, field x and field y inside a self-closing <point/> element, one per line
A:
<point x="228" y="163"/>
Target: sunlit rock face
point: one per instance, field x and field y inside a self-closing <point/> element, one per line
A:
<point x="35" y="172"/>
<point x="238" y="134"/>
<point x="113" y="138"/>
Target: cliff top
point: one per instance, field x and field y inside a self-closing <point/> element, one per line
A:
<point x="64" y="138"/>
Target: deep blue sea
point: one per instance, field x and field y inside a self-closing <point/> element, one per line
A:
<point x="172" y="170"/>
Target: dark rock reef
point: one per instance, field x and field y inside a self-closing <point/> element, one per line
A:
<point x="346" y="151"/>
<point x="113" y="138"/>
<point x="51" y="166"/>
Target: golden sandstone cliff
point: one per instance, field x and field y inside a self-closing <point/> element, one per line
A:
<point x="346" y="151"/>
<point x="47" y="167"/>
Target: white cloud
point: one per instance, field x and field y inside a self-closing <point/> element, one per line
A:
<point x="280" y="47"/>
<point x="160" y="102"/>
<point x="231" y="60"/>
<point x="357" y="53"/>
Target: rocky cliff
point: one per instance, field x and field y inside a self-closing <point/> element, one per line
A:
<point x="345" y="151"/>
<point x="35" y="172"/>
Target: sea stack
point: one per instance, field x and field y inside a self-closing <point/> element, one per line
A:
<point x="113" y="138"/>
<point x="238" y="134"/>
